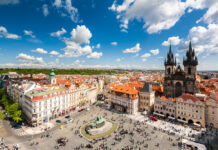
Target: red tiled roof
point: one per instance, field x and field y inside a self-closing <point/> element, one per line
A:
<point x="163" y="98"/>
<point x="191" y="97"/>
<point x="124" y="89"/>
<point x="62" y="81"/>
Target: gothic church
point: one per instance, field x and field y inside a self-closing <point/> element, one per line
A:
<point x="178" y="81"/>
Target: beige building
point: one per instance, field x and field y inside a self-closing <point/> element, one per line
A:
<point x="146" y="99"/>
<point x="165" y="107"/>
<point x="211" y="113"/>
<point x="124" y="99"/>
<point x="191" y="109"/>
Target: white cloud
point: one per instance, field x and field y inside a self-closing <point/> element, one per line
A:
<point x="161" y="15"/>
<point x="174" y="40"/>
<point x="45" y="10"/>
<point x="95" y="55"/>
<point x="56" y="61"/>
<point x="4" y="33"/>
<point x="146" y="55"/>
<point x="124" y="30"/>
<point x="66" y="7"/>
<point x="57" y="3"/>
<point x="156" y="15"/>
<point x="118" y="60"/>
<point x="154" y="51"/>
<point x="81" y="34"/>
<point x="29" y="59"/>
<point x="75" y="50"/>
<point x="134" y="49"/>
<point x="77" y="61"/>
<point x="78" y="44"/>
<point x="177" y="54"/>
<point x="98" y="45"/>
<point x="204" y="38"/>
<point x="114" y="43"/>
<point x="144" y="59"/>
<point x="6" y="2"/>
<point x="58" y="33"/>
<point x="40" y="50"/>
<point x="211" y="16"/>
<point x="54" y="53"/>
<point x="30" y="33"/>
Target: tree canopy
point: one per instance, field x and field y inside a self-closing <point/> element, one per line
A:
<point x="11" y="108"/>
<point x="60" y="71"/>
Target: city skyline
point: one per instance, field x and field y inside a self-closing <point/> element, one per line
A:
<point x="131" y="34"/>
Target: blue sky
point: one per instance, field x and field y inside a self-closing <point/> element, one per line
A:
<point x="133" y="34"/>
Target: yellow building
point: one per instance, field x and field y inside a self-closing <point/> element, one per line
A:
<point x="211" y="117"/>
<point x="146" y="98"/>
<point x="191" y="109"/>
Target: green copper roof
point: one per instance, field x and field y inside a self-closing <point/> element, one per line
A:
<point x="52" y="74"/>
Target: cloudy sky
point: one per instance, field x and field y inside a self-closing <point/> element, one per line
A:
<point x="106" y="33"/>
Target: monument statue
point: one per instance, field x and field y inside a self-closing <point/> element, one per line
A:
<point x="98" y="122"/>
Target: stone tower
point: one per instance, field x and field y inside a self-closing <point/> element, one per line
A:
<point x="170" y="63"/>
<point x="170" y="67"/>
<point x="177" y="81"/>
<point x="146" y="98"/>
<point x="190" y="63"/>
<point x="52" y="79"/>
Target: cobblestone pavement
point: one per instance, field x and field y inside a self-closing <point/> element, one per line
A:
<point x="144" y="136"/>
<point x="147" y="137"/>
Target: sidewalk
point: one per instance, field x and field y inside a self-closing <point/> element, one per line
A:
<point x="38" y="129"/>
<point x="167" y="126"/>
<point x="48" y="125"/>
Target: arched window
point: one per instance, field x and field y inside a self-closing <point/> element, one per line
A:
<point x="189" y="70"/>
<point x="168" y="70"/>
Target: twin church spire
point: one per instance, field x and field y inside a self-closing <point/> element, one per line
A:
<point x="190" y="59"/>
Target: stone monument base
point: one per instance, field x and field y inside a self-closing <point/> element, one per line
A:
<point x="107" y="126"/>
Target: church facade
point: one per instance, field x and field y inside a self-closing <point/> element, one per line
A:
<point x="178" y="81"/>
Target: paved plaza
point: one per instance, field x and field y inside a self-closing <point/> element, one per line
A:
<point x="133" y="133"/>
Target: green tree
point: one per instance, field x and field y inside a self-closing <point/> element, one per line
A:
<point x="12" y="109"/>
<point x="1" y="92"/>
<point x="17" y="116"/>
<point x="4" y="100"/>
<point x="2" y="116"/>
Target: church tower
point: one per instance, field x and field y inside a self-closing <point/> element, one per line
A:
<point x="190" y="63"/>
<point x="177" y="81"/>
<point x="170" y="67"/>
<point x="52" y="79"/>
<point x="170" y="63"/>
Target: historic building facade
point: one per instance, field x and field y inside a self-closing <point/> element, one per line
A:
<point x="146" y="100"/>
<point x="178" y="81"/>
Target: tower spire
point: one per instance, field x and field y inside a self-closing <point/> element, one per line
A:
<point x="190" y="46"/>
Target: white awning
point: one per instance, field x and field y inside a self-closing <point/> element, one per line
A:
<point x="199" y="146"/>
<point x="144" y="113"/>
<point x="180" y="120"/>
<point x="171" y="117"/>
<point x="196" y="124"/>
<point x="158" y="114"/>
